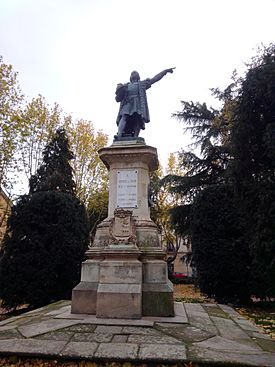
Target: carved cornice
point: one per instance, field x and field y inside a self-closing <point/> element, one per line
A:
<point x="139" y="153"/>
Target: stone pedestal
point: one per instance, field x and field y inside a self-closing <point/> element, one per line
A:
<point x="120" y="286"/>
<point x="84" y="295"/>
<point x="125" y="274"/>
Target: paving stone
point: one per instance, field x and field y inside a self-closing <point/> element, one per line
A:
<point x="92" y="337"/>
<point x="160" y="352"/>
<point x="45" y="309"/>
<point x="120" y="339"/>
<point x="163" y="339"/>
<point x="175" y="319"/>
<point x="266" y="344"/>
<point x="194" y="308"/>
<point x="79" y="328"/>
<point x="108" y="329"/>
<point x="92" y="319"/>
<point x="24" y="320"/>
<point x="31" y="346"/>
<point x="113" y="351"/>
<point x="209" y="355"/>
<point x="42" y="327"/>
<point x="79" y="349"/>
<point x="186" y="333"/>
<point x="40" y="310"/>
<point x="9" y="320"/>
<point x="180" y="311"/>
<point x="10" y="333"/>
<point x="216" y="333"/>
<point x="199" y="318"/>
<point x="228" y="328"/>
<point x="229" y="310"/>
<point x="169" y="325"/>
<point x="203" y="322"/>
<point x="247" y="325"/>
<point x="58" y="311"/>
<point x="222" y="344"/>
<point x="258" y="335"/>
<point x="140" y="330"/>
<point x="214" y="310"/>
<point x="7" y="327"/>
<point x="56" y="335"/>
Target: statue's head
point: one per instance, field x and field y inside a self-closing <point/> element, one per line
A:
<point x="134" y="77"/>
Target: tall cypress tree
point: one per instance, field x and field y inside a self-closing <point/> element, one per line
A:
<point x="48" y="234"/>
<point x="56" y="172"/>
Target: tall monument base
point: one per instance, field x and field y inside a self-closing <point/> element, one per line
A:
<point x="125" y="274"/>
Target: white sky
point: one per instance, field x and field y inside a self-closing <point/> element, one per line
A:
<point x="74" y="52"/>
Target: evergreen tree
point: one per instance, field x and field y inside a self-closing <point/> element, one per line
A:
<point x="48" y="233"/>
<point x="220" y="254"/>
<point x="237" y="152"/>
<point x="55" y="173"/>
<point x="253" y="139"/>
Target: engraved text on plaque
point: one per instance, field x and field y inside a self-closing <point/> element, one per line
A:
<point x="127" y="189"/>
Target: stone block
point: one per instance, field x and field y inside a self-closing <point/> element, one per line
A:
<point x="80" y="349"/>
<point x="90" y="271"/>
<point x="84" y="297"/>
<point x="157" y="300"/>
<point x="92" y="337"/>
<point x="31" y="347"/>
<point x="40" y="327"/>
<point x="154" y="271"/>
<point x="147" y="236"/>
<point x="147" y="339"/>
<point x="119" y="301"/>
<point x="162" y="353"/>
<point x="102" y="234"/>
<point x="119" y="351"/>
<point x="120" y="339"/>
<point x="123" y="272"/>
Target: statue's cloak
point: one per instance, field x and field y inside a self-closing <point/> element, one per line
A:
<point x="134" y="104"/>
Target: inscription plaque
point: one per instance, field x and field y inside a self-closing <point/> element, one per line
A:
<point x="127" y="188"/>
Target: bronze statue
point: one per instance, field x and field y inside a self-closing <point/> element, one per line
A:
<point x="133" y="112"/>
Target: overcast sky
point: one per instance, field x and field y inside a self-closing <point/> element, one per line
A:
<point x="74" y="52"/>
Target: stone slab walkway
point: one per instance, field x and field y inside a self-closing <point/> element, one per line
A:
<point x="205" y="333"/>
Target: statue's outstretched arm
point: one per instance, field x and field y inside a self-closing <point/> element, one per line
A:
<point x="159" y="76"/>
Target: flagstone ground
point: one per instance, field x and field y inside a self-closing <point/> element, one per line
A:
<point x="202" y="333"/>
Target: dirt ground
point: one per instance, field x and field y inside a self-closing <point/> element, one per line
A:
<point x="189" y="292"/>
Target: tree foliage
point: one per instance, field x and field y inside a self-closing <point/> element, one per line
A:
<point x="41" y="257"/>
<point x="90" y="174"/>
<point x="161" y="203"/>
<point x="48" y="233"/>
<point x="55" y="173"/>
<point x="38" y="123"/>
<point x="253" y="139"/>
<point x="10" y="99"/>
<point x="220" y="253"/>
<point x="237" y="156"/>
<point x="26" y="127"/>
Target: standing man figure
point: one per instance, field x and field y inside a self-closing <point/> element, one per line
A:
<point x="133" y="112"/>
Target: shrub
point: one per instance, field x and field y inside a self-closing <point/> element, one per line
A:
<point x="41" y="257"/>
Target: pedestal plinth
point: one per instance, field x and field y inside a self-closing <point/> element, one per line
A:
<point x="125" y="275"/>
